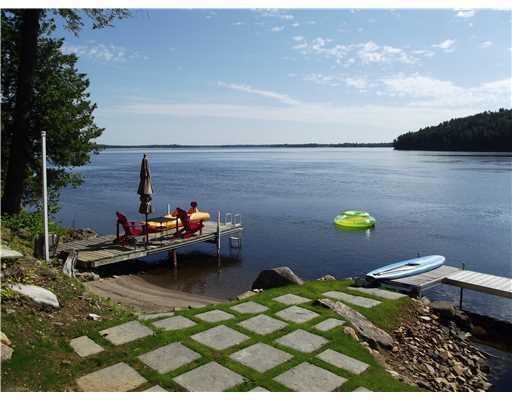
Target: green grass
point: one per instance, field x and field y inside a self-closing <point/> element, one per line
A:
<point x="48" y="363"/>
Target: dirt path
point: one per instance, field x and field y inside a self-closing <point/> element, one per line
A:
<point x="136" y="292"/>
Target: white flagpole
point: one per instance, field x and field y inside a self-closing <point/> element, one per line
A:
<point x="45" y="200"/>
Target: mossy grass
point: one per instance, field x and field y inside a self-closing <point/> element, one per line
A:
<point x="47" y="363"/>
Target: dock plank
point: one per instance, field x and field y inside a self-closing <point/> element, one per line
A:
<point x="481" y="282"/>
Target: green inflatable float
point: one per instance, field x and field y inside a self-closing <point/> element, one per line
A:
<point x="354" y="220"/>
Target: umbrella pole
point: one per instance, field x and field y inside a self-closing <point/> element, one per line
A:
<point x="147" y="231"/>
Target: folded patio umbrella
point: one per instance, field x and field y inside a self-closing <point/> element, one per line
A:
<point x="145" y="191"/>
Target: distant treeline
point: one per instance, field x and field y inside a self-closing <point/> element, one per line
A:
<point x="242" y="146"/>
<point x="488" y="131"/>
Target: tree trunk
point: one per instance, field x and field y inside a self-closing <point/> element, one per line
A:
<point x="18" y="153"/>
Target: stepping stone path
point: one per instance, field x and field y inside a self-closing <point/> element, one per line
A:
<point x="85" y="347"/>
<point x="260" y="357"/>
<point x="149" y="317"/>
<point x="361" y="389"/>
<point x="116" y="378"/>
<point x="342" y="361"/>
<point x="174" y="323"/>
<point x="356" y="300"/>
<point x="384" y="294"/>
<point x="262" y="324"/>
<point x="302" y="341"/>
<point x="126" y="332"/>
<point x="328" y="324"/>
<point x="211" y="377"/>
<point x="249" y="307"/>
<point x="296" y="314"/>
<point x="156" y="388"/>
<point x="168" y="358"/>
<point x="220" y="338"/>
<point x="291" y="299"/>
<point x="306" y="377"/>
<point x="214" y="316"/>
<point x="258" y="389"/>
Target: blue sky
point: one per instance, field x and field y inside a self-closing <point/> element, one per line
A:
<point x="292" y="76"/>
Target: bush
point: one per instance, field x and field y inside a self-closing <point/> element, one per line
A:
<point x="30" y="224"/>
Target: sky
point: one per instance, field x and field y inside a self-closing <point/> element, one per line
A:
<point x="292" y="76"/>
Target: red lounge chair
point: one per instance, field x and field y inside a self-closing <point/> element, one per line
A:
<point x="131" y="228"/>
<point x="189" y="228"/>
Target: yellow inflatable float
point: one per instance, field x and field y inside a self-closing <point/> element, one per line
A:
<point x="171" y="224"/>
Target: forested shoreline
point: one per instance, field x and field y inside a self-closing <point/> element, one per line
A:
<point x="487" y="131"/>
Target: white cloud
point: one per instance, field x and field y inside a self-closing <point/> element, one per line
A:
<point x="424" y="53"/>
<point x="238" y="23"/>
<point x="275" y="13"/>
<point x="277" y="28"/>
<point x="465" y="13"/>
<point x="103" y="52"/>
<point x="447" y="45"/>
<point x="430" y="92"/>
<point x="359" y="83"/>
<point x="283" y="98"/>
<point x="366" y="53"/>
<point x="295" y="24"/>
<point x="298" y="38"/>
<point x="486" y="44"/>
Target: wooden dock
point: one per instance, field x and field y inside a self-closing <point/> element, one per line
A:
<point x="102" y="250"/>
<point x="478" y="281"/>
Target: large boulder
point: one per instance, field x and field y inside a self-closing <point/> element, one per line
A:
<point x="37" y="294"/>
<point x="361" y="324"/>
<point x="445" y="309"/>
<point x="275" y="277"/>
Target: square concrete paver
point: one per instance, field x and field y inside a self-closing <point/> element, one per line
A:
<point x="296" y="314"/>
<point x="356" y="300"/>
<point x="84" y="346"/>
<point x="260" y="357"/>
<point x="174" y="323"/>
<point x="149" y="317"/>
<point x="291" y="299"/>
<point x="249" y="307"/>
<point x="306" y="377"/>
<point x="258" y="389"/>
<point x="219" y="338"/>
<point x="302" y="341"/>
<point x="168" y="358"/>
<point x="343" y="361"/>
<point x="262" y="324"/>
<point x="328" y="324"/>
<point x="214" y="316"/>
<point x="210" y="377"/>
<point x="116" y="378"/>
<point x="156" y="388"/>
<point x="126" y="332"/>
<point x="383" y="294"/>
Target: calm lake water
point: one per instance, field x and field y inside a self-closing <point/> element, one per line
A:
<point x="454" y="204"/>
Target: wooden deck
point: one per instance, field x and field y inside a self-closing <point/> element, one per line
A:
<point x="417" y="283"/>
<point x="478" y="281"/>
<point x="101" y="250"/>
<point x="486" y="283"/>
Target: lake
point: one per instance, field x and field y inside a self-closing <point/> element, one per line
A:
<point x="454" y="204"/>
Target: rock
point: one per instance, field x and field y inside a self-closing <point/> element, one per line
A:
<point x="445" y="309"/>
<point x="276" y="277"/>
<point x="395" y="349"/>
<point x="7" y="253"/>
<point x="360" y="323"/>
<point x="4" y="339"/>
<point x="87" y="276"/>
<point x="80" y="234"/>
<point x="361" y="281"/>
<point x="426" y="301"/>
<point x="6" y="352"/>
<point x="37" y="294"/>
<point x="351" y="332"/>
<point x="425" y="318"/>
<point x="94" y="317"/>
<point x="463" y="321"/>
<point x="459" y="369"/>
<point x="246" y="295"/>
<point x="327" y="278"/>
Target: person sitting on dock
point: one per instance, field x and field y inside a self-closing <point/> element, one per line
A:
<point x="193" y="208"/>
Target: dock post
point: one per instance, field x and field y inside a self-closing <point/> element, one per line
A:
<point x="173" y="258"/>
<point x="461" y="290"/>
<point x="218" y="233"/>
